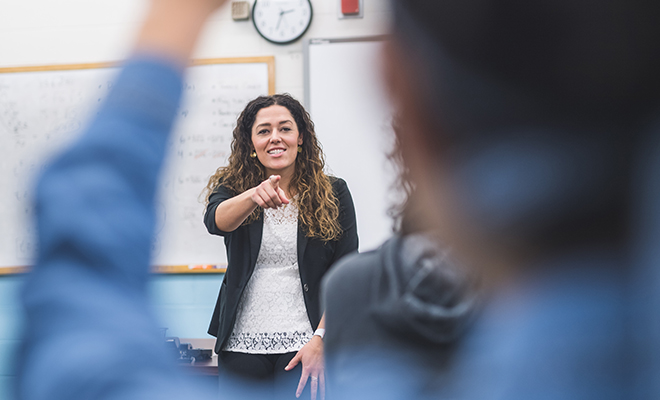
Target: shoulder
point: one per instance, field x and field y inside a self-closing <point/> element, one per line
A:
<point x="346" y="290"/>
<point x="362" y="266"/>
<point x="347" y="296"/>
<point x="339" y="188"/>
<point x="337" y="183"/>
<point x="221" y="193"/>
<point x="354" y="270"/>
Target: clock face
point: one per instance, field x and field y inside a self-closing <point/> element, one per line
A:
<point x="282" y="21"/>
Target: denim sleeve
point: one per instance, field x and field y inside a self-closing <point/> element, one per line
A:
<point x="89" y="332"/>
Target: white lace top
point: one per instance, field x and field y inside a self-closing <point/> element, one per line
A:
<point x="271" y="316"/>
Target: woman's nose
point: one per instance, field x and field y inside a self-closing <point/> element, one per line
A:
<point x="275" y="136"/>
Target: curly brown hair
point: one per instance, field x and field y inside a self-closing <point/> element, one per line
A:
<point x="318" y="205"/>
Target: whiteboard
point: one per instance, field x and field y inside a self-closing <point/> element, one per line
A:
<point x="353" y="121"/>
<point x="42" y="110"/>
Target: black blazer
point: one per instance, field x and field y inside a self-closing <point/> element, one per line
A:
<point x="315" y="257"/>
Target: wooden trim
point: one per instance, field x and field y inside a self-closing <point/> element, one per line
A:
<point x="189" y="269"/>
<point x="234" y="60"/>
<point x="62" y="67"/>
<point x="271" y="76"/>
<point x="14" y="270"/>
<point x="268" y="60"/>
<point x="156" y="269"/>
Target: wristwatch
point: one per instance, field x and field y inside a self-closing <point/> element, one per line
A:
<point x="320" y="333"/>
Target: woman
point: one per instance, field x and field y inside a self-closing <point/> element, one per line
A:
<point x="285" y="222"/>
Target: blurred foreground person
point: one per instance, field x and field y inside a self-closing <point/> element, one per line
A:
<point x="530" y="131"/>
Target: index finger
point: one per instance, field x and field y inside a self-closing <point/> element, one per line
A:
<point x="274" y="180"/>
<point x="268" y="195"/>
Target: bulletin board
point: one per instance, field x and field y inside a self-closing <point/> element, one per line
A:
<point x="43" y="108"/>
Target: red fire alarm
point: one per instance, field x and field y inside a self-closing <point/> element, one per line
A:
<point x="350" y="7"/>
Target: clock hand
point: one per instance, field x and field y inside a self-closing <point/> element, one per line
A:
<point x="279" y="20"/>
<point x="282" y="12"/>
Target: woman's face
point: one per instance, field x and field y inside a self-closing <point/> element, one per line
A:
<point x="275" y="138"/>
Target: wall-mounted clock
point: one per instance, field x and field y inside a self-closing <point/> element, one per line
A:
<point x="282" y="21"/>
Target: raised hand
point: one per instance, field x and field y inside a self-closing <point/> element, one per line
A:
<point x="172" y="27"/>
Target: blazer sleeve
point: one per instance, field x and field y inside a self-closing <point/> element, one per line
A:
<point x="220" y="194"/>
<point x="348" y="243"/>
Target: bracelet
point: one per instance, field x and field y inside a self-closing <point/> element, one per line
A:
<point x="319" y="332"/>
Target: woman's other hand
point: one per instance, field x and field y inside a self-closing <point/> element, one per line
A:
<point x="311" y="356"/>
<point x="269" y="194"/>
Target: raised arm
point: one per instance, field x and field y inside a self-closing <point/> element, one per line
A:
<point x="171" y="28"/>
<point x="89" y="332"/>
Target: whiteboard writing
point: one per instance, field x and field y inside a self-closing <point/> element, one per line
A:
<point x="42" y="111"/>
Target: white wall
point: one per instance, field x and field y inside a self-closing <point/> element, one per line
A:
<point x="45" y="32"/>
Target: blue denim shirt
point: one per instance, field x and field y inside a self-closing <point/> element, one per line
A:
<point x="89" y="332"/>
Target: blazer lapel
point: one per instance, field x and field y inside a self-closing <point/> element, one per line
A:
<point x="255" y="232"/>
<point x="302" y="245"/>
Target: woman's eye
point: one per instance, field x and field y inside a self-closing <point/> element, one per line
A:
<point x="263" y="132"/>
<point x="286" y="129"/>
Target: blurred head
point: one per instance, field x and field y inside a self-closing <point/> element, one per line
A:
<point x="519" y="118"/>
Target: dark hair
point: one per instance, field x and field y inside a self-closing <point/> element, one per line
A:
<point x="404" y="216"/>
<point x="576" y="60"/>
<point x="319" y="210"/>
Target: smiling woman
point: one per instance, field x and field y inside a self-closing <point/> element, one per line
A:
<point x="285" y="223"/>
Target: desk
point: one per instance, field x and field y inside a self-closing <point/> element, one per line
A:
<point x="208" y="367"/>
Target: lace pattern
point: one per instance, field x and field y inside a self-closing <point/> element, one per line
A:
<point x="272" y="317"/>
